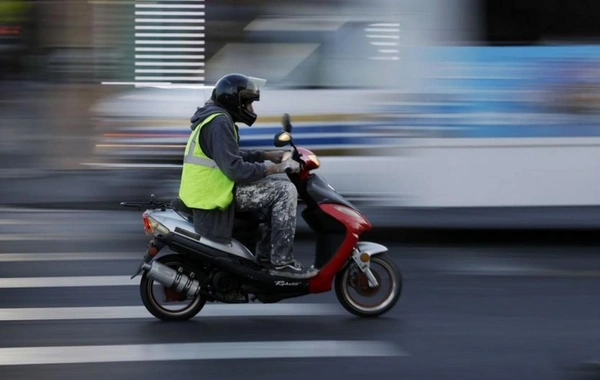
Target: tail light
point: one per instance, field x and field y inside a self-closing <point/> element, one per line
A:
<point x="153" y="227"/>
<point x="147" y="226"/>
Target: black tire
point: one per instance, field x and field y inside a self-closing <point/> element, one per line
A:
<point x="154" y="307"/>
<point x="342" y="285"/>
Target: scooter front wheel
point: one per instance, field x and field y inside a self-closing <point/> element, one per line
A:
<point x="354" y="293"/>
<point x="166" y="304"/>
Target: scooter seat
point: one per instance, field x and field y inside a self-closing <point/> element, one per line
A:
<point x="255" y="216"/>
<point x="182" y="209"/>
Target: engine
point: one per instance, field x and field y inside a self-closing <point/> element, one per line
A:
<point x="227" y="289"/>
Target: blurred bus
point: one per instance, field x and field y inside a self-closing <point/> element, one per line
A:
<point x="444" y="104"/>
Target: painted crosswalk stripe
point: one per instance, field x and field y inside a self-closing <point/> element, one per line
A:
<point x="67" y="256"/>
<point x="60" y="282"/>
<point x="52" y="220"/>
<point x="20" y="210"/>
<point x="196" y="351"/>
<point x="134" y="312"/>
<point x="12" y="222"/>
<point x="63" y="236"/>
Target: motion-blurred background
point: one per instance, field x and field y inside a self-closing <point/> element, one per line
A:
<point x="478" y="108"/>
<point x="453" y="114"/>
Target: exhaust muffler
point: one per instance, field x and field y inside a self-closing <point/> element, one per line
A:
<point x="172" y="279"/>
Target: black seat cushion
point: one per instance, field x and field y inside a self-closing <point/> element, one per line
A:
<point x="255" y="216"/>
<point x="182" y="209"/>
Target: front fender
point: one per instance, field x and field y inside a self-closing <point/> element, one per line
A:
<point x="367" y="247"/>
<point x="370" y="248"/>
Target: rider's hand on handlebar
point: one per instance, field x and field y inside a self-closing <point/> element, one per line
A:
<point x="292" y="166"/>
<point x="275" y="156"/>
<point x="287" y="166"/>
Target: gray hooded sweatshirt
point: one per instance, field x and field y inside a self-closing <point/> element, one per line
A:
<point x="218" y="142"/>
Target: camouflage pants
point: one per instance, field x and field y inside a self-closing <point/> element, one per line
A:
<point x="277" y="197"/>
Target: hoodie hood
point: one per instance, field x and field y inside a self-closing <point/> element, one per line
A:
<point x="205" y="111"/>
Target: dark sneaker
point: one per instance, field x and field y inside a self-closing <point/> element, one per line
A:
<point x="293" y="270"/>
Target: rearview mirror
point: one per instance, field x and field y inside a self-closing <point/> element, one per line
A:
<point x="282" y="138"/>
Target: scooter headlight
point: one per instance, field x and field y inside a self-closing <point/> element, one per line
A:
<point x="314" y="160"/>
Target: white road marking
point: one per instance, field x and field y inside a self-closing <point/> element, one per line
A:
<point x="63" y="222"/>
<point x="172" y="6"/>
<point x="21" y="210"/>
<point x="135" y="312"/>
<point x="60" y="282"/>
<point x="196" y="351"/>
<point x="63" y="236"/>
<point x="67" y="256"/>
<point x="10" y="222"/>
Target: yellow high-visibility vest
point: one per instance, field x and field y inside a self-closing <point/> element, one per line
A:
<point x="203" y="184"/>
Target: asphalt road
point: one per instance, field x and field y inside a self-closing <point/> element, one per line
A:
<point x="468" y="311"/>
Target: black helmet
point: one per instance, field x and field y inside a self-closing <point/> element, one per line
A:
<point x="233" y="92"/>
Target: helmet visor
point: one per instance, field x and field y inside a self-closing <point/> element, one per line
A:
<point x="260" y="82"/>
<point x="250" y="93"/>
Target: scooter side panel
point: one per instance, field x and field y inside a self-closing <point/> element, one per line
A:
<point x="172" y="220"/>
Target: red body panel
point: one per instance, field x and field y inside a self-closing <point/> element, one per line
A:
<point x="354" y="227"/>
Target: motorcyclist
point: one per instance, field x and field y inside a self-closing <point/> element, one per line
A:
<point x="218" y="178"/>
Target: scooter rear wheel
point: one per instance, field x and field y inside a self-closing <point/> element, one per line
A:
<point x="353" y="291"/>
<point x="177" y="307"/>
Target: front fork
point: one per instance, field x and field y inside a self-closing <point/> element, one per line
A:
<point x="153" y="248"/>
<point x="363" y="262"/>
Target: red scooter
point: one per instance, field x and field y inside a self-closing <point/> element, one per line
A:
<point x="176" y="286"/>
